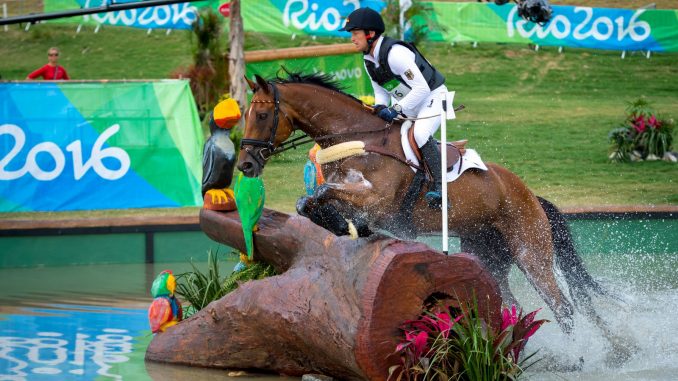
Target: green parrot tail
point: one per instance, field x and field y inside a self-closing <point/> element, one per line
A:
<point x="248" y="245"/>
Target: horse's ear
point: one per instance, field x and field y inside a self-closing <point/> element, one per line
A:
<point x="252" y="85"/>
<point x="262" y="83"/>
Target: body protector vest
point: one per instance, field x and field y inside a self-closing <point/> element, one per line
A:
<point x="395" y="84"/>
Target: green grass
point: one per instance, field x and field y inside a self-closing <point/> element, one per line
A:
<point x="542" y="114"/>
<point x="546" y="117"/>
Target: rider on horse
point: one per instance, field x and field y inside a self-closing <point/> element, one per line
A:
<point x="400" y="72"/>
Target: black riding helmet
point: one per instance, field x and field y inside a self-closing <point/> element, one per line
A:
<point x="364" y="18"/>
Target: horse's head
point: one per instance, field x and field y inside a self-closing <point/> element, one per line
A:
<point x="266" y="126"/>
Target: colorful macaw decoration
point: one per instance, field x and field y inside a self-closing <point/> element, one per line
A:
<point x="219" y="156"/>
<point x="313" y="174"/>
<point x="243" y="264"/>
<point x="165" y="311"/>
<point x="249" y="197"/>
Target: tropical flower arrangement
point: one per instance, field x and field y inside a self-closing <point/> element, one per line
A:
<point x="445" y="344"/>
<point x="642" y="136"/>
<point x="200" y="288"/>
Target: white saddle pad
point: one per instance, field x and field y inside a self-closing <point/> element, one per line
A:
<point x="471" y="159"/>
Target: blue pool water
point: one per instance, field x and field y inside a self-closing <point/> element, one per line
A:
<point x="90" y="323"/>
<point x="71" y="342"/>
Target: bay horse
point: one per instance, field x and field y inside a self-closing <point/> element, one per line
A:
<point x="493" y="212"/>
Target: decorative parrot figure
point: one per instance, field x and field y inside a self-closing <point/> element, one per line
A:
<point x="219" y="156"/>
<point x="165" y="310"/>
<point x="249" y="197"/>
<point x="313" y="175"/>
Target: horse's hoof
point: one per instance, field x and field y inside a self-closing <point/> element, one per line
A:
<point x="623" y="348"/>
<point x="362" y="227"/>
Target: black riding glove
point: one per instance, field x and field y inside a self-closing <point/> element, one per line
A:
<point x="388" y="114"/>
<point x="377" y="108"/>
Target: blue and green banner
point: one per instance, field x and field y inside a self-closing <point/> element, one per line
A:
<point x="570" y="26"/>
<point x="171" y="16"/>
<point x="581" y="27"/>
<point x="312" y="17"/>
<point x="93" y="145"/>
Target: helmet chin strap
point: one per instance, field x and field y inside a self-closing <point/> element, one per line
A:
<point x="370" y="42"/>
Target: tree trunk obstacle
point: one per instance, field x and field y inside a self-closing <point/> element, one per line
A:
<point x="334" y="309"/>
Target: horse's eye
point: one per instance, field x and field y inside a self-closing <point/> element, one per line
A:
<point x="262" y="116"/>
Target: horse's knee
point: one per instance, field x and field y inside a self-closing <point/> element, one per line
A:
<point x="305" y="205"/>
<point x="322" y="192"/>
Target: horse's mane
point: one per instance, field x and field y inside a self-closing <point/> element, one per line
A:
<point x="320" y="79"/>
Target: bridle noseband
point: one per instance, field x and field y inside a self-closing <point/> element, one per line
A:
<point x="268" y="148"/>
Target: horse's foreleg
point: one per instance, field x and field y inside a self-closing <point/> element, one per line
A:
<point x="335" y="210"/>
<point x="358" y="196"/>
<point x="356" y="202"/>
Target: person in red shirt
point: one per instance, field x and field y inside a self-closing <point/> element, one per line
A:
<point x="51" y="71"/>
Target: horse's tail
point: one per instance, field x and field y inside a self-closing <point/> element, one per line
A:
<point x="578" y="279"/>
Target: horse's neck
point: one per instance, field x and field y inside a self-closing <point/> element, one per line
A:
<point x="325" y="113"/>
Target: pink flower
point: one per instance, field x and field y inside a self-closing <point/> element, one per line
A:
<point x="418" y="340"/>
<point x="420" y="344"/>
<point x="444" y="323"/>
<point x="639" y="124"/>
<point x="508" y="318"/>
<point x="527" y="320"/>
<point x="652" y="121"/>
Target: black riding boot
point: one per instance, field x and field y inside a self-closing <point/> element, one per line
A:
<point x="432" y="156"/>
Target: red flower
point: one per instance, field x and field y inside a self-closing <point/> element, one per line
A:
<point x="639" y="124"/>
<point x="421" y="344"/>
<point x="527" y="321"/>
<point x="508" y="318"/>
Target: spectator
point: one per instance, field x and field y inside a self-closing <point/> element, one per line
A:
<point x="51" y="70"/>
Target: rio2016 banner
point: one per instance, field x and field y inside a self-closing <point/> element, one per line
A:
<point x="595" y="28"/>
<point x="347" y="69"/>
<point x="171" y="16"/>
<point x="83" y="146"/>
<point x="313" y="17"/>
<point x="583" y="27"/>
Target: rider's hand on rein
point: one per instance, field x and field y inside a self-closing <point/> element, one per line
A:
<point x="377" y="108"/>
<point x="388" y="114"/>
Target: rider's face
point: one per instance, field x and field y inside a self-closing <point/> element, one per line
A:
<point x="359" y="39"/>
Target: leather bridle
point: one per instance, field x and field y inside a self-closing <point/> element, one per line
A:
<point x="267" y="147"/>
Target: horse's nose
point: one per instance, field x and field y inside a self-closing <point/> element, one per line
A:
<point x="247" y="168"/>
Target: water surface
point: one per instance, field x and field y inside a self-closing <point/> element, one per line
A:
<point x="89" y="322"/>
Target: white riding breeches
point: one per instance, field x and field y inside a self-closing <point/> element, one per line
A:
<point x="430" y="110"/>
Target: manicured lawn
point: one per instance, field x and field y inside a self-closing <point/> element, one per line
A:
<point x="543" y="114"/>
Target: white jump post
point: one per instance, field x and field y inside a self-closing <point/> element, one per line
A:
<point x="447" y="113"/>
<point x="4" y="15"/>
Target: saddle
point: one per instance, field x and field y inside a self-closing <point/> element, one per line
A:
<point x="455" y="149"/>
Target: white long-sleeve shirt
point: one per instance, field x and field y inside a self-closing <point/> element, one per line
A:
<point x="401" y="62"/>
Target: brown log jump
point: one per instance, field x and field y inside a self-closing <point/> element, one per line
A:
<point x="335" y="309"/>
